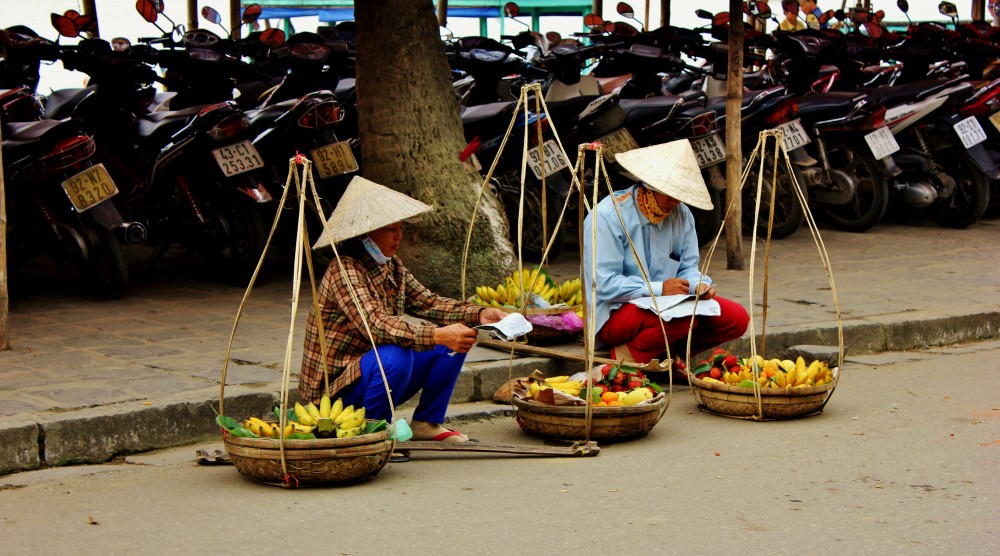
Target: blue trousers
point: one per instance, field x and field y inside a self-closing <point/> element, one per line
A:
<point x="408" y="371"/>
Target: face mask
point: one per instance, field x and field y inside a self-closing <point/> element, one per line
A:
<point x="374" y="251"/>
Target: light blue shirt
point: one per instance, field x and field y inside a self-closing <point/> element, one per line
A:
<point x="667" y="250"/>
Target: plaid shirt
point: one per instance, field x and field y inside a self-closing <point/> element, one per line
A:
<point x="386" y="293"/>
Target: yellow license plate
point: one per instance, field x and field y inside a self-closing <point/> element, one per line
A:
<point x="90" y="187"/>
<point x="334" y="159"/>
<point x="995" y="120"/>
<point x="617" y="142"/>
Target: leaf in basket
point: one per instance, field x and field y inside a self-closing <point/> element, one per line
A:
<point x="375" y="426"/>
<point x="226" y="422"/>
<point x="653" y="385"/>
<point x="277" y="413"/>
<point x="703" y="368"/>
<point x="301" y="436"/>
<point x="242" y="432"/>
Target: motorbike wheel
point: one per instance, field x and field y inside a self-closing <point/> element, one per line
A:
<point x="972" y="191"/>
<point x="708" y="222"/>
<point x="532" y="234"/>
<point x="788" y="211"/>
<point x="871" y="198"/>
<point x="245" y="240"/>
<point x="993" y="206"/>
<point x="98" y="256"/>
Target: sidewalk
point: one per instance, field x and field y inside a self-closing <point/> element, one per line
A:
<point x="89" y="380"/>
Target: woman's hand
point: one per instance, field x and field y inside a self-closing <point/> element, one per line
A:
<point x="706" y="291"/>
<point x="491" y="315"/>
<point x="675" y="286"/>
<point x="456" y="337"/>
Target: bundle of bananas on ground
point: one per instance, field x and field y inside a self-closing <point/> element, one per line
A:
<point x="527" y="284"/>
<point x="263" y="429"/>
<point x="561" y="383"/>
<point x="331" y="418"/>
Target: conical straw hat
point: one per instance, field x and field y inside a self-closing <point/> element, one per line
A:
<point x="367" y="206"/>
<point x="669" y="168"/>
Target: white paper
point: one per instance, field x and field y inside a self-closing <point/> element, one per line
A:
<point x="673" y="306"/>
<point x="512" y="326"/>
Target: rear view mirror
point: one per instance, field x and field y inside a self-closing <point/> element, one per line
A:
<point x="903" y="5"/>
<point x="272" y="37"/>
<point x="211" y="15"/>
<point x="625" y="10"/>
<point x="594" y="22"/>
<point x="149" y="10"/>
<point x="511" y="9"/>
<point x="251" y="13"/>
<point x="703" y="14"/>
<point x="948" y="9"/>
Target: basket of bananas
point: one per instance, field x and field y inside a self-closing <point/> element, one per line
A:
<point x="555" y="310"/>
<point x="321" y="444"/>
<point x="762" y="389"/>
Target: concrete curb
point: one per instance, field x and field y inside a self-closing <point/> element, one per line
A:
<point x="100" y="434"/>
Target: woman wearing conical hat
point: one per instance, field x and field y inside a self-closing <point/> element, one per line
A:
<point x="661" y="227"/>
<point x="418" y="354"/>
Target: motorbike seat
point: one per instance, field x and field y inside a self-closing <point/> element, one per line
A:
<point x="827" y="105"/>
<point x="900" y="94"/>
<point x="164" y="123"/>
<point x="480" y="112"/>
<point x="60" y="104"/>
<point x="563" y="112"/>
<point x="262" y="118"/>
<point x="20" y="138"/>
<point x="648" y="109"/>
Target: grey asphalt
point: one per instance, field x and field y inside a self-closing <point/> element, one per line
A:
<point x="88" y="380"/>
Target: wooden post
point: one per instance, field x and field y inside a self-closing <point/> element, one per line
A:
<point x="90" y="8"/>
<point x="978" y="10"/>
<point x="645" y="20"/>
<point x="664" y="13"/>
<point x="235" y="19"/>
<point x="443" y="13"/>
<point x="4" y="299"/>
<point x="192" y="19"/>
<point x="598" y="8"/>
<point x="734" y="146"/>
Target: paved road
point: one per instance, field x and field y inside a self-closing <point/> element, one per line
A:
<point x="88" y="380"/>
<point x="902" y="462"/>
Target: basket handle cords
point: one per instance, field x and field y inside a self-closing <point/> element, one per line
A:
<point x="304" y="186"/>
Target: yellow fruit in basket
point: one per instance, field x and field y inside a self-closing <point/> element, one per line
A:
<point x="347" y="433"/>
<point x="313" y="410"/>
<point x="556" y="379"/>
<point x="324" y="406"/>
<point x="779" y="379"/>
<point x="633" y="397"/>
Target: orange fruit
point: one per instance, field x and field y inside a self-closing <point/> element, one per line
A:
<point x="615" y="403"/>
<point x="602" y="404"/>
<point x="609" y="397"/>
<point x="769" y="372"/>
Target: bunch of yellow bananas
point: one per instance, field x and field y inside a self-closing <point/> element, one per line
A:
<point x="775" y="373"/>
<point x="330" y="417"/>
<point x="526" y="283"/>
<point x="561" y="383"/>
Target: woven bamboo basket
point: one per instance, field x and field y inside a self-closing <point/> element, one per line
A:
<point x="319" y="461"/>
<point x="775" y="404"/>
<point x="542" y="335"/>
<point x="570" y="422"/>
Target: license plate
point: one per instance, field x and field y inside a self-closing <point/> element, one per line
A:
<point x="90" y="187"/>
<point x="334" y="159"/>
<point x="618" y="141"/>
<point x="709" y="150"/>
<point x="882" y="142"/>
<point x="795" y="135"/>
<point x="995" y="120"/>
<point x="554" y="159"/>
<point x="970" y="132"/>
<point x="237" y="158"/>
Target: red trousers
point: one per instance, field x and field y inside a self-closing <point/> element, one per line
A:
<point x="640" y="330"/>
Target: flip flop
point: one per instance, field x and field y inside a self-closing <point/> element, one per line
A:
<point x="401" y="456"/>
<point x="447" y="434"/>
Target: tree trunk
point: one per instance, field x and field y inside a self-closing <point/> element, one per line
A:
<point x="411" y="136"/>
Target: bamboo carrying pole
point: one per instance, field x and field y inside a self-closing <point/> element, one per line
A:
<point x="734" y="147"/>
<point x="4" y="302"/>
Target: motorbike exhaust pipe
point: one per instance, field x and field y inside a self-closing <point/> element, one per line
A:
<point x="131" y="233"/>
